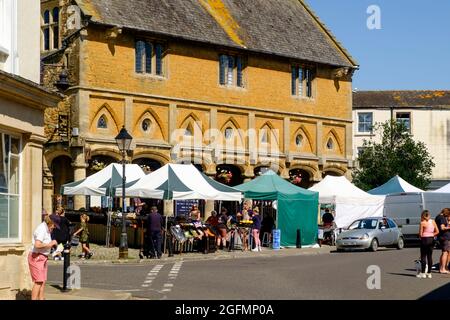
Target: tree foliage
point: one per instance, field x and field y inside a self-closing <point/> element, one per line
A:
<point x="396" y="154"/>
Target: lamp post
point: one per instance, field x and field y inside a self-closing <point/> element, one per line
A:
<point x="123" y="141"/>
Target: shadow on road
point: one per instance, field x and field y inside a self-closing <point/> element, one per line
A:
<point x="402" y="274"/>
<point x="442" y="293"/>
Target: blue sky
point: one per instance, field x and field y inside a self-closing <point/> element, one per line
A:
<point x="411" y="51"/>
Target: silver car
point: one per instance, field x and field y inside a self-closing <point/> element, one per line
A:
<point x="370" y="233"/>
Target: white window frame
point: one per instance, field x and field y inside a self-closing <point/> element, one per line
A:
<point x="371" y="124"/>
<point x="410" y="120"/>
<point x="19" y="195"/>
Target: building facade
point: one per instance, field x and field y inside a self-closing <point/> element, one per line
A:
<point x="22" y="104"/>
<point x="202" y="81"/>
<point x="425" y="113"/>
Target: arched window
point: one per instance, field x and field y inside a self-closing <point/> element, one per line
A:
<point x="55" y="15"/>
<point x="146" y="124"/>
<point x="228" y="133"/>
<point x="265" y="133"/>
<point x="46" y="30"/>
<point x="189" y="131"/>
<point x="50" y="29"/>
<point x="55" y="28"/>
<point x="102" y="123"/>
<point x="46" y="17"/>
<point x="330" y="144"/>
<point x="299" y="140"/>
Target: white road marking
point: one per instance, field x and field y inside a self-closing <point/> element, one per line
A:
<point x="152" y="275"/>
<point x="173" y="274"/>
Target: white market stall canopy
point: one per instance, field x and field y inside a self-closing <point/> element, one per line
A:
<point x="351" y="202"/>
<point x="101" y="183"/>
<point x="444" y="189"/>
<point x="179" y="182"/>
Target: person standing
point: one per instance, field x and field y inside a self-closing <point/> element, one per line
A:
<point x="154" y="227"/>
<point x="38" y="256"/>
<point x="444" y="239"/>
<point x="428" y="230"/>
<point x="327" y="218"/>
<point x="62" y="234"/>
<point x="256" y="227"/>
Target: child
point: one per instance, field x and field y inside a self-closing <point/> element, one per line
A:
<point x="84" y="238"/>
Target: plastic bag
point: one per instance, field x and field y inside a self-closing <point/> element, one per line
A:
<point x="75" y="241"/>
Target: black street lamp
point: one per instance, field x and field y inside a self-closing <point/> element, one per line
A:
<point x="123" y="141"/>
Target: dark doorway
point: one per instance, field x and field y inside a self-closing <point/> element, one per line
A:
<point x="148" y="165"/>
<point x="300" y="178"/>
<point x="229" y="174"/>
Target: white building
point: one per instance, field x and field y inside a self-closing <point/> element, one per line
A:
<point x="425" y="113"/>
<point x="22" y="105"/>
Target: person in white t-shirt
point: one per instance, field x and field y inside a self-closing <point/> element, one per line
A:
<point x="38" y="256"/>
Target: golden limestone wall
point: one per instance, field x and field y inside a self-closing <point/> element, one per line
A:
<point x="189" y="96"/>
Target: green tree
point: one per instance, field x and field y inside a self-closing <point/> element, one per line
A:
<point x="396" y="154"/>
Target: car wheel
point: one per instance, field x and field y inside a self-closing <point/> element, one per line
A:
<point x="374" y="245"/>
<point x="400" y="243"/>
<point x="339" y="250"/>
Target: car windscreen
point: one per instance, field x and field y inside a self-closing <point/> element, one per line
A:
<point x="364" y="224"/>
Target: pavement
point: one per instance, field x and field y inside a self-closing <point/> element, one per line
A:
<point x="54" y="292"/>
<point x="109" y="257"/>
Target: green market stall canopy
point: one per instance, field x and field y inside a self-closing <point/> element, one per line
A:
<point x="297" y="208"/>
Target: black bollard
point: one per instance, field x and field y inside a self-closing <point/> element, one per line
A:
<point x="66" y="256"/>
<point x="299" y="239"/>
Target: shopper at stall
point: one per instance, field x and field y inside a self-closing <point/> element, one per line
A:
<point x="213" y="219"/>
<point x="327" y="218"/>
<point x="84" y="237"/>
<point x="38" y="256"/>
<point x="256" y="227"/>
<point x="155" y="224"/>
<point x="195" y="214"/>
<point x="222" y="229"/>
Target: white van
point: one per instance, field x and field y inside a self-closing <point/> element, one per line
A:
<point x="405" y="209"/>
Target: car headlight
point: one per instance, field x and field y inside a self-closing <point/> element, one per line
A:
<point x="364" y="237"/>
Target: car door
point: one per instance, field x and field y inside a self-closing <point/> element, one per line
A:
<point x="395" y="232"/>
<point x="384" y="235"/>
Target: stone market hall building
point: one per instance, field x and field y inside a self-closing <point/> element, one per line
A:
<point x="229" y="85"/>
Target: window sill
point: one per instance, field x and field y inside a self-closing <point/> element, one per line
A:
<point x="231" y="87"/>
<point x="150" y="76"/>
<point x="307" y="99"/>
<point x="11" y="248"/>
<point x="364" y="134"/>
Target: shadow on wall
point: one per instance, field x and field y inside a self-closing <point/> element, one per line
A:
<point x="442" y="293"/>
